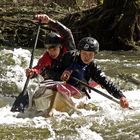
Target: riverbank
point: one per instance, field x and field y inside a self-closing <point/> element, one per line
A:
<point x="113" y="31"/>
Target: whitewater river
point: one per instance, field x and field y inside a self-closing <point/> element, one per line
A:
<point x="106" y="121"/>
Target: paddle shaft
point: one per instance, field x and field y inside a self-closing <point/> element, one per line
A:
<point x="31" y="61"/>
<point x="101" y="93"/>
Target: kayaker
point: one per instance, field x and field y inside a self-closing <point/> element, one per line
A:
<point x="82" y="66"/>
<point x="57" y="43"/>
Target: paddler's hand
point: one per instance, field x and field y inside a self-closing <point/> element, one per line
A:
<point x="43" y="18"/>
<point x="66" y="75"/>
<point x="30" y="72"/>
<point x="124" y="102"/>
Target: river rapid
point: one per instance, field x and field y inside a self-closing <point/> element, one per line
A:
<point x="101" y="119"/>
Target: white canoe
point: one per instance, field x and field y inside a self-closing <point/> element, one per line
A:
<point x="54" y="95"/>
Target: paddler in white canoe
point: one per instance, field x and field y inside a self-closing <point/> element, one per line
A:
<point x="76" y="68"/>
<point x="57" y="43"/>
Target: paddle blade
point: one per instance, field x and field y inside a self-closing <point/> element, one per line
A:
<point x="20" y="103"/>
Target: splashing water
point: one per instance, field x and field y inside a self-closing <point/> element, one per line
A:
<point x="109" y="121"/>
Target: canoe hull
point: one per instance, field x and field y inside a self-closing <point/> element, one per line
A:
<point x="55" y="95"/>
<point x="48" y="99"/>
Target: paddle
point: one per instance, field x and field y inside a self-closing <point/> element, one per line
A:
<point x="22" y="100"/>
<point x="101" y="93"/>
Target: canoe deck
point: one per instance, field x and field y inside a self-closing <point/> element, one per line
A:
<point x="52" y="100"/>
<point x="52" y="95"/>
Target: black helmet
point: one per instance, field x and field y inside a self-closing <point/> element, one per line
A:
<point x="88" y="44"/>
<point x="53" y="39"/>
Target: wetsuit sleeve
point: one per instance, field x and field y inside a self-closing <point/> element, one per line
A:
<point x="66" y="34"/>
<point x="98" y="76"/>
<point x="44" y="61"/>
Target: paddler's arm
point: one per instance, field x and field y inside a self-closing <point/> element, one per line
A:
<point x="44" y="61"/>
<point x="65" y="33"/>
<point x="102" y="79"/>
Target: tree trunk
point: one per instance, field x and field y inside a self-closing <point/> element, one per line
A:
<point x="115" y="24"/>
